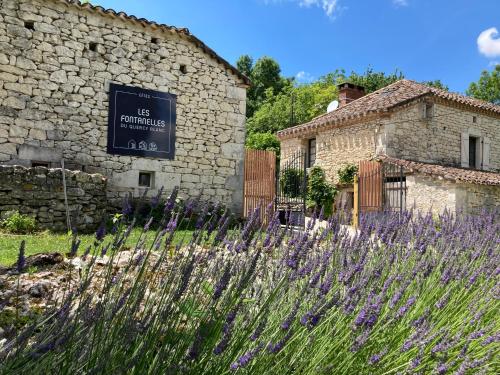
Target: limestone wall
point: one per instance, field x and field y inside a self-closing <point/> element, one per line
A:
<point x="430" y="194"/>
<point x="56" y="63"/>
<point x="39" y="192"/>
<point x="438" y="139"/>
<point x="337" y="147"/>
<point x="427" y="193"/>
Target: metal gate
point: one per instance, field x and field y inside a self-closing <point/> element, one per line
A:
<point x="259" y="181"/>
<point x="291" y="189"/>
<point x="381" y="186"/>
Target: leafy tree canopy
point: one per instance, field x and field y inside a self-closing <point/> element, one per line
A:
<point x="265" y="75"/>
<point x="263" y="141"/>
<point x="488" y="86"/>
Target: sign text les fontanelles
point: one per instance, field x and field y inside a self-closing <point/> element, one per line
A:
<point x="141" y="122"/>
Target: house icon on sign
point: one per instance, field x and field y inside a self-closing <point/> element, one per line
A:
<point x="143" y="145"/>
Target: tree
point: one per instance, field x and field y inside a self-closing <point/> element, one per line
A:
<point x="373" y="81"/>
<point x="263" y="141"/>
<point x="488" y="86"/>
<point x="275" y="112"/>
<point x="437" y="84"/>
<point x="265" y="74"/>
<point x="245" y="64"/>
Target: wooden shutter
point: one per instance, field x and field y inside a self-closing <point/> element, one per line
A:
<point x="465" y="150"/>
<point x="486" y="153"/>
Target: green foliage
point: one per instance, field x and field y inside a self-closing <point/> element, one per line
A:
<point x="320" y="193"/>
<point x="437" y="84"/>
<point x="488" y="86"/>
<point x="263" y="141"/>
<point x="291" y="182"/>
<point x="275" y="111"/>
<point x="266" y="79"/>
<point x="19" y="223"/>
<point x="373" y="81"/>
<point x="346" y="173"/>
<point x="244" y="65"/>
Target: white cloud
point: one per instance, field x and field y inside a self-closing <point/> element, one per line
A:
<point x="488" y="43"/>
<point x="330" y="7"/>
<point x="400" y="3"/>
<point x="304" y="77"/>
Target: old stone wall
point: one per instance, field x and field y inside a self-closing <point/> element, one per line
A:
<point x="56" y="63"/>
<point x="39" y="192"/>
<point x="408" y="135"/>
<point x="337" y="147"/>
<point x="474" y="198"/>
<point x="426" y="193"/>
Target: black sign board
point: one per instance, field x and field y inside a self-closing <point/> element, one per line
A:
<point x="141" y="122"/>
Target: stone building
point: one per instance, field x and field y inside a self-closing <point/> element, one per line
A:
<point x="448" y="144"/>
<point x="57" y="61"/>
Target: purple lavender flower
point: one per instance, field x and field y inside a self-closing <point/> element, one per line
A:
<point x="442" y="301"/>
<point x="276" y="348"/>
<point x="403" y="309"/>
<point x="226" y="331"/>
<point x="148" y="224"/>
<point x="222" y="283"/>
<point x="101" y="232"/>
<point x="155" y="200"/>
<point x="104" y="249"/>
<point x="221" y="233"/>
<point x="170" y="203"/>
<point x="285" y="325"/>
<point x="374" y="359"/>
<point x="259" y="329"/>
<point x="21" y="259"/>
<point x="246" y="358"/>
<point x="491" y="339"/>
<point x="127" y="208"/>
<point x="186" y="275"/>
<point x="75" y="244"/>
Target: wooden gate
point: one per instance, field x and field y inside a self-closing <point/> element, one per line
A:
<point x="370" y="186"/>
<point x="259" y="181"/>
<point x="381" y="186"/>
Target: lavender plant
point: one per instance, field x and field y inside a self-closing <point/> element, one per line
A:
<point x="406" y="293"/>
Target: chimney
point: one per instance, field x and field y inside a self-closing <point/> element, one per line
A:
<point x="349" y="92"/>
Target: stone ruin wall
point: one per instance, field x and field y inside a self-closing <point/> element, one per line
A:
<point x="39" y="192"/>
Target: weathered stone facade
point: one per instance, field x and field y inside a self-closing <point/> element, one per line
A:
<point x="430" y="194"/>
<point x="39" y="192"/>
<point x="56" y="62"/>
<point x="410" y="126"/>
<point x="408" y="134"/>
<point x="337" y="147"/>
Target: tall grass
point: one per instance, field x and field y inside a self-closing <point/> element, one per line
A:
<point x="405" y="294"/>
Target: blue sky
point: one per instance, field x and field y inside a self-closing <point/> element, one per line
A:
<point x="426" y="39"/>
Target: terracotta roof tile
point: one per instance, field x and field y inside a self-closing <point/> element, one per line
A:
<point x="449" y="173"/>
<point x="181" y="31"/>
<point x="384" y="100"/>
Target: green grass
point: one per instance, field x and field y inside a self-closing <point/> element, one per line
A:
<point x="47" y="242"/>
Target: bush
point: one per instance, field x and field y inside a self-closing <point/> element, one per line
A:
<point x="346" y="174"/>
<point x="18" y="223"/>
<point x="263" y="141"/>
<point x="291" y="182"/>
<point x="320" y="193"/>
